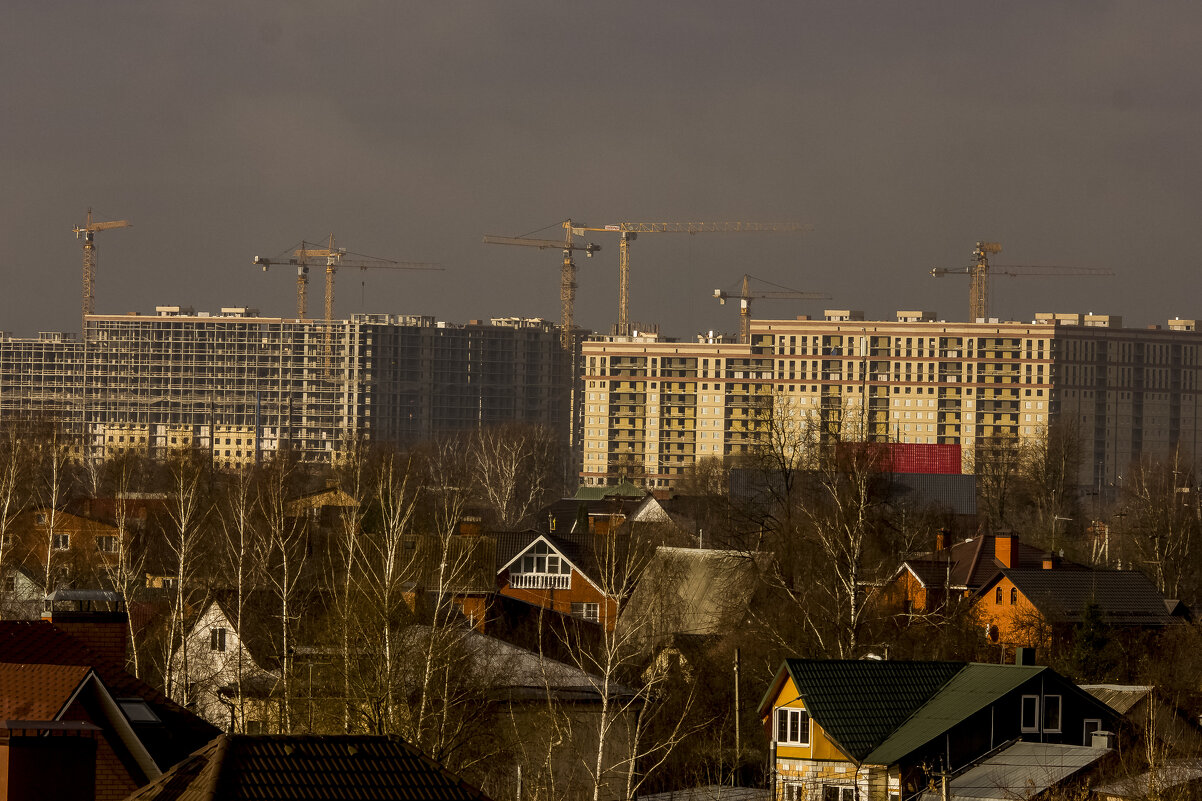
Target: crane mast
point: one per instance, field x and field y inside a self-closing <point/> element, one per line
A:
<point x="87" y="232"/>
<point x="628" y="231"/>
<point x="745" y="297"/>
<point x="567" y="273"/>
<point x="980" y="271"/>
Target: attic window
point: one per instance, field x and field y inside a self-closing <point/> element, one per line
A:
<point x="792" y="726"/>
<point x="137" y="711"/>
<point x="217" y="639"/>
<point x="1051" y="713"/>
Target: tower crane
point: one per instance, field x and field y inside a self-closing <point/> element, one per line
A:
<point x="629" y="231"/>
<point x="745" y="297"/>
<point x="335" y="258"/>
<point x="567" y="277"/>
<point x="87" y="232"/>
<point x="980" y="270"/>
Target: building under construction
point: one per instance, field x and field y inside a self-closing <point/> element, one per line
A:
<point x="654" y="408"/>
<point x="240" y="386"/>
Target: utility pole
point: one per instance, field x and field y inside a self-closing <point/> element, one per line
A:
<point x="738" y="740"/>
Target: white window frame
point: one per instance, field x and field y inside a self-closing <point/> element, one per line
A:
<point x="61" y="542"/>
<point x="1022" y="714"/>
<point x="586" y="610"/>
<point x="1087" y="733"/>
<point x="842" y="792"/>
<point x="1059" y="707"/>
<point x="794" y="715"/>
<point x="106" y="539"/>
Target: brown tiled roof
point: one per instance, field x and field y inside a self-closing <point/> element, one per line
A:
<point x="308" y="768"/>
<point x="974" y="562"/>
<point x="37" y="692"/>
<point x="40" y="642"/>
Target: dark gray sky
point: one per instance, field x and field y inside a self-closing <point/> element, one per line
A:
<point x="903" y="132"/>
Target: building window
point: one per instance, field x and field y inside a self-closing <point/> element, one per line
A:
<point x="106" y="543"/>
<point x="586" y="611"/>
<point x="217" y="639"/>
<point x="1091" y="725"/>
<point x="61" y="542"/>
<point x="838" y="792"/>
<point x="10" y="583"/>
<point x="1013" y="595"/>
<point x="1030" y="713"/>
<point x="1051" y="713"/>
<point x="792" y="726"/>
<point x="997" y="596"/>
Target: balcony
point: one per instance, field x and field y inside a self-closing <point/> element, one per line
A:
<point x="540" y="581"/>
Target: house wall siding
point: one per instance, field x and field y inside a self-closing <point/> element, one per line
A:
<point x="113" y="779"/>
<point x="581" y="591"/>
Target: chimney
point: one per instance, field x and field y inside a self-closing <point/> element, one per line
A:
<point x="1024" y="657"/>
<point x="1102" y="739"/>
<point x="96" y="618"/>
<point x="1050" y="560"/>
<point x="1005" y="549"/>
<point x="941" y="540"/>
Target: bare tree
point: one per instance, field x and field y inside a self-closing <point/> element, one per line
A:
<point x="515" y="467"/>
<point x="1162" y="522"/>
<point x="124" y="566"/>
<point x="244" y="556"/>
<point x="285" y="543"/>
<point x="187" y="508"/>
<point x="14" y="464"/>
<point x="55" y="457"/>
<point x="996" y="462"/>
<point x="353" y="480"/>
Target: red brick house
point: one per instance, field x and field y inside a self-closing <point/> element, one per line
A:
<point x="570" y="573"/>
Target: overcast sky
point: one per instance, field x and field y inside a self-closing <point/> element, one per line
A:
<point x="903" y="132"/>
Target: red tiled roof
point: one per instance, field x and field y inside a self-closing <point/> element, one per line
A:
<point x="37" y="692"/>
<point x="308" y="768"/>
<point x="39" y="642"/>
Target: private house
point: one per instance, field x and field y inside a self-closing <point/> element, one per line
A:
<point x="76" y="547"/>
<point x="690" y="594"/>
<point x="1038" y="607"/>
<point x="308" y="768"/>
<point x="21" y="592"/>
<point x="954" y="570"/>
<point x="844" y="730"/>
<point x="73" y="723"/>
<point x="65" y="736"/>
<point x="574" y="574"/>
<point x="233" y="665"/>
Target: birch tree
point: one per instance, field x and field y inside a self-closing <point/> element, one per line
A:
<point x="14" y="464"/>
<point x="187" y="509"/>
<point x="124" y="567"/>
<point x="243" y="551"/>
<point x="515" y="468"/>
<point x="55" y="456"/>
<point x="353" y="480"/>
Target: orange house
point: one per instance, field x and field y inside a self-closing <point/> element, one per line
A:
<point x="562" y="573"/>
<point x="1033" y="607"/>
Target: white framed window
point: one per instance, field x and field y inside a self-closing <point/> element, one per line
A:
<point x="1051" y="713"/>
<point x="61" y="542"/>
<point x="217" y="639"/>
<point x="838" y="792"/>
<point x="1030" y="713"/>
<point x="106" y="543"/>
<point x="1091" y="725"/>
<point x="587" y="611"/>
<point x="792" y="726"/>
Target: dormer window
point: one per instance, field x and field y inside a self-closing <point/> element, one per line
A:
<point x="541" y="568"/>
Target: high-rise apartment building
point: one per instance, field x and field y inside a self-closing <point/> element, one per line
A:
<point x="653" y="408"/>
<point x="240" y="386"/>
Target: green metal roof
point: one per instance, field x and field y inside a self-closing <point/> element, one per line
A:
<point x="972" y="689"/>
<point x="860" y="702"/>
<point x="595" y="493"/>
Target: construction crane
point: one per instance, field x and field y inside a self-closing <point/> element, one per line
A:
<point x="745" y="297"/>
<point x="335" y="258"/>
<point x="87" y="232"/>
<point x="980" y="270"/>
<point x="629" y="231"/>
<point x="567" y="277"/>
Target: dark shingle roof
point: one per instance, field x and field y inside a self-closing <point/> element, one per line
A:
<point x="308" y="768"/>
<point x="837" y="693"/>
<point x="974" y="562"/>
<point x="1124" y="597"/>
<point x="37" y="692"/>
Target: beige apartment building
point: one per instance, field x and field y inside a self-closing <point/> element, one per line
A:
<point x="652" y="407"/>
